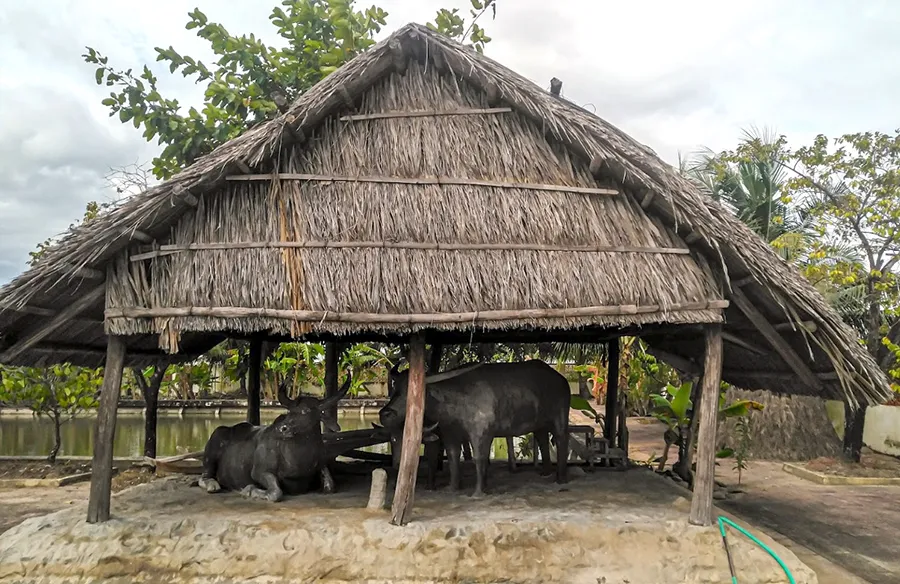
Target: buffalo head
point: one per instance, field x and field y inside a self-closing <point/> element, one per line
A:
<point x="305" y="412"/>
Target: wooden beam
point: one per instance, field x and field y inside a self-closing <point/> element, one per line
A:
<point x="439" y="181"/>
<point x="168" y="249"/>
<point x="404" y="493"/>
<point x="781" y="346"/>
<point x="683" y="364"/>
<point x="86" y="272"/>
<point x="736" y="340"/>
<point x="105" y="432"/>
<point x="254" y="374"/>
<point x="185" y="195"/>
<point x="25" y="309"/>
<point x="32" y="337"/>
<point x="704" y="481"/>
<point x="427" y="318"/>
<point x="243" y="166"/>
<point x="138" y="235"/>
<point x="692" y="237"/>
<point x="612" y="391"/>
<point x="743" y="281"/>
<point x="426" y="114"/>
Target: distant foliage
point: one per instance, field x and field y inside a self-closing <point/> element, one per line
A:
<point x="59" y="392"/>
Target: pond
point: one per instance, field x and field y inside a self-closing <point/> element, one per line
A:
<point x="23" y="435"/>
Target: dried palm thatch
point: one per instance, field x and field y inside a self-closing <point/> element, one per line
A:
<point x="450" y="230"/>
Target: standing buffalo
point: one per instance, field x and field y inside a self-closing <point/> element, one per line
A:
<point x="480" y="402"/>
<point x="287" y="456"/>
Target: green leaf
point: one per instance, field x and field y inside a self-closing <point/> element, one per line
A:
<point x="98" y="75"/>
<point x="682" y="400"/>
<point x="725" y="453"/>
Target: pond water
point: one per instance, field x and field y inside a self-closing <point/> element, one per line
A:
<point x="23" y="435"/>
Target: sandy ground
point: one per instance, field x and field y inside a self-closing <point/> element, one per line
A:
<point x="605" y="526"/>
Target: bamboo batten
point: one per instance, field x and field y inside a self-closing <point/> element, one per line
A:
<point x="164" y="250"/>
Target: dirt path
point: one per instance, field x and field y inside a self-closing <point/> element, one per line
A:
<point x="18" y="504"/>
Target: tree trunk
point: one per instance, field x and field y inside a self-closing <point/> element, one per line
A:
<point x="151" y="404"/>
<point x="873" y="319"/>
<point x="854" y="422"/>
<point x="57" y="437"/>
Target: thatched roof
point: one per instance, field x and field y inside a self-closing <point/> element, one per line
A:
<point x="497" y="209"/>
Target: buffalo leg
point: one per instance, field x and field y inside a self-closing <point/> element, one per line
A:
<point x="561" y="437"/>
<point x="272" y="492"/>
<point x="482" y="452"/>
<point x="543" y="442"/>
<point x="327" y="480"/>
<point x="211" y="455"/>
<point x="511" y="453"/>
<point x="434" y="451"/>
<point x="453" y="449"/>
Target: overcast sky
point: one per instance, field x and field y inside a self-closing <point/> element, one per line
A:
<point x="676" y="76"/>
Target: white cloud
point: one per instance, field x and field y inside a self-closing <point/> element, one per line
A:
<point x="674" y="75"/>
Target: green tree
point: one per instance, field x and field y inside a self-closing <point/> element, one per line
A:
<point x="59" y="392"/>
<point x="251" y="81"/>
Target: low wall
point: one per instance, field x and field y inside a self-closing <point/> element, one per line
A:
<point x="882" y="430"/>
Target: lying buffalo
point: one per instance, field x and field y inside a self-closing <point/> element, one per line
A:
<point x="286" y="457"/>
<point x="480" y="402"/>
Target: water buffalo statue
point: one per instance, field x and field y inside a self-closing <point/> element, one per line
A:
<point x="480" y="402"/>
<point x="266" y="462"/>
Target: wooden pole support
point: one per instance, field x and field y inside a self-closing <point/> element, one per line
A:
<point x="253" y="378"/>
<point x="332" y="356"/>
<point x="704" y="479"/>
<point x="612" y="391"/>
<point x="105" y="431"/>
<point x="404" y="493"/>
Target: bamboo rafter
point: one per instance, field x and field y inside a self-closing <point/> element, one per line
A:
<point x="439" y="181"/>
<point x="428" y="318"/>
<point x="425" y="113"/>
<point x="168" y="249"/>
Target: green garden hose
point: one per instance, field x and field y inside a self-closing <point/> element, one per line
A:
<point x="734" y="580"/>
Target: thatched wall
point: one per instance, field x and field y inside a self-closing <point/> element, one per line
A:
<point x="501" y="147"/>
<point x="788" y="428"/>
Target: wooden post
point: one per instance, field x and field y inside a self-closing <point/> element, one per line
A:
<point x="704" y="478"/>
<point x="332" y="355"/>
<point x="612" y="391"/>
<point x="105" y="431"/>
<point x="253" y="380"/>
<point x="434" y="360"/>
<point x="685" y="465"/>
<point x="404" y="493"/>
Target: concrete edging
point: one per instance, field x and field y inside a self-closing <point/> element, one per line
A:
<point x="826" y="479"/>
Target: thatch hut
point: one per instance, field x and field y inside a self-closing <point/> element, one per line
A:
<point x="426" y="192"/>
